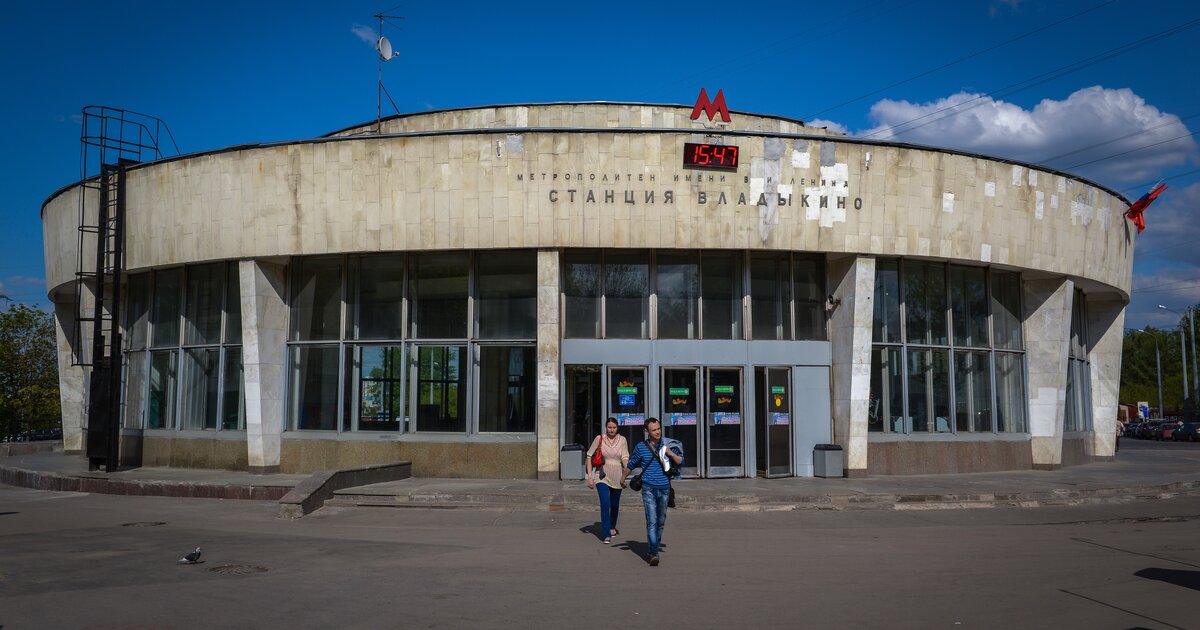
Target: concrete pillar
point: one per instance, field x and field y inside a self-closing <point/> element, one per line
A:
<point x="264" y="346"/>
<point x="852" y="280"/>
<point x="549" y="387"/>
<point x="72" y="379"/>
<point x="1106" y="331"/>
<point x="1047" y="343"/>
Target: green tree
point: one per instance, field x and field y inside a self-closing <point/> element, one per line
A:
<point x="28" y="371"/>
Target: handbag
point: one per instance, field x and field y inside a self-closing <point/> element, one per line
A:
<point x="635" y="482"/>
<point x="598" y="457"/>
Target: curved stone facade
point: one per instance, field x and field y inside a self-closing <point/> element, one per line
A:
<point x="564" y="177"/>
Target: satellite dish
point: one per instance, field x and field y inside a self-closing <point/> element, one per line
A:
<point x="385" y="49"/>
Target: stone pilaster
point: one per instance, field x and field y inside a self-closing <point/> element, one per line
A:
<point x="1106" y="322"/>
<point x="264" y="346"/>
<point x="548" y="387"/>
<point x="1047" y="339"/>
<point x="853" y="282"/>
<point x="72" y="380"/>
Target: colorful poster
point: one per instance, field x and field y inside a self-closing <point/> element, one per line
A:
<point x="720" y="417"/>
<point x="681" y="419"/>
<point x="777" y="418"/>
<point x="631" y="419"/>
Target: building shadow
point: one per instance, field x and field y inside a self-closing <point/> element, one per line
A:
<point x="1186" y="579"/>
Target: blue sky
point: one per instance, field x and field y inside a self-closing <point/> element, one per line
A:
<point x="1025" y="79"/>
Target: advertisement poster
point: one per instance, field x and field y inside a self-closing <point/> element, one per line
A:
<point x="720" y="417"/>
<point x="631" y="419"/>
<point x="681" y="419"/>
<point x="777" y="418"/>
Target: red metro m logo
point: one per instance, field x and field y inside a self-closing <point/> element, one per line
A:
<point x="710" y="108"/>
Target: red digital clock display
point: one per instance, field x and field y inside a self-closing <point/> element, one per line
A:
<point x="716" y="157"/>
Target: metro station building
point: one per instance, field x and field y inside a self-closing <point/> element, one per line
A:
<point x="475" y="289"/>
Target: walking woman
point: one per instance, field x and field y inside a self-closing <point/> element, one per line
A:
<point x="607" y="479"/>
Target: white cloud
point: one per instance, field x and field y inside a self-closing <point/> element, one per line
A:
<point x="981" y="124"/>
<point x="828" y="124"/>
<point x="365" y="33"/>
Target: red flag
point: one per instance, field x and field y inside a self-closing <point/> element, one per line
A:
<point x="1139" y="207"/>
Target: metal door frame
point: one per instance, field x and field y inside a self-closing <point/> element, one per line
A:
<point x="710" y="471"/>
<point x="766" y="426"/>
<point x="697" y="467"/>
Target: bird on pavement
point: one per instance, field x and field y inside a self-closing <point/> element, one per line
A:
<point x="191" y="558"/>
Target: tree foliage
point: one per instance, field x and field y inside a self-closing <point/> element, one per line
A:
<point x="1139" y="375"/>
<point x="28" y="370"/>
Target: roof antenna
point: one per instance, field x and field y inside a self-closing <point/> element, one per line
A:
<point x="384" y="47"/>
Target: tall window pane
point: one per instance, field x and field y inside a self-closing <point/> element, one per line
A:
<point x="885" y="408"/>
<point x="929" y="390"/>
<point x="972" y="392"/>
<point x="233" y="305"/>
<point x="441" y="388"/>
<point x="1010" y="393"/>
<point x="202" y="325"/>
<point x="317" y="299"/>
<point x="626" y="296"/>
<point x="770" y="299"/>
<point x="969" y="304"/>
<point x="137" y="314"/>
<point x="677" y="285"/>
<point x="438" y="288"/>
<point x="233" y="405"/>
<point x="167" y="298"/>
<point x="160" y="408"/>
<point x="135" y="388"/>
<point x="314" y="388"/>
<point x="925" y="302"/>
<point x="808" y="277"/>
<point x="377" y="287"/>
<point x="201" y="378"/>
<point x="1006" y="309"/>
<point x="506" y="286"/>
<point x="380" y="388"/>
<point x="886" y="323"/>
<point x="721" y="290"/>
<point x="507" y="389"/>
<point x="581" y="290"/>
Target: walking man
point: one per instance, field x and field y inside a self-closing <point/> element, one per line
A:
<point x="658" y="461"/>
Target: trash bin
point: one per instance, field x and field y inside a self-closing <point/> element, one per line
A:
<point x="827" y="460"/>
<point x="570" y="462"/>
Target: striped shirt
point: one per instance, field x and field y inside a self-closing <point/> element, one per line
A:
<point x="652" y="470"/>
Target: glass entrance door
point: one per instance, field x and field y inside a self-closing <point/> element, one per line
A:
<point x="627" y="402"/>
<point x="723" y="425"/>
<point x="584" y="404"/>
<point x="680" y="399"/>
<point x="773" y="421"/>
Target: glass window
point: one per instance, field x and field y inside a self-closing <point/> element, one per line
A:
<point x="135" y="388"/>
<point x="887" y="301"/>
<point x="138" y="311"/>
<point x="626" y="296"/>
<point x="380" y="388"/>
<point x="233" y="305"/>
<point x="201" y="379"/>
<point x="202" y="324"/>
<point x="167" y="286"/>
<point x="770" y="299"/>
<point x="377" y="284"/>
<point x="929" y="390"/>
<point x="972" y="392"/>
<point x="506" y="289"/>
<point x="969" y="305"/>
<point x="441" y="397"/>
<point x="925" y="303"/>
<point x="1006" y="309"/>
<point x="721" y="292"/>
<point x="581" y="291"/>
<point x="677" y="285"/>
<point x="314" y="388"/>
<point x="808" y="276"/>
<point x="507" y="389"/>
<point x="1010" y="393"/>
<point x="438" y="290"/>
<point x="233" y="405"/>
<point x="885" y="406"/>
<point x="160" y="408"/>
<point x="317" y="299"/>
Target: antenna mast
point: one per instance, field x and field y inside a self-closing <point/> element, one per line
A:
<point x="384" y="47"/>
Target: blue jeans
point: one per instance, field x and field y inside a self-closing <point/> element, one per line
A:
<point x="610" y="506"/>
<point x="654" y="501"/>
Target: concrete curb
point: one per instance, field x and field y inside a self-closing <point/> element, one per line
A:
<point x="40" y="480"/>
<point x="312" y="493"/>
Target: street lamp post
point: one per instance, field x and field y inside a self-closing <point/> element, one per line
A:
<point x="1158" y="367"/>
<point x="1183" y="354"/>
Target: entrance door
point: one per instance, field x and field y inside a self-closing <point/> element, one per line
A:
<point x="724" y="422"/>
<point x="584" y="404"/>
<point x="773" y="421"/>
<point x="627" y="402"/>
<point x="681" y="413"/>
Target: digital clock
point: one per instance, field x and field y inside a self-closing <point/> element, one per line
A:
<point x="717" y="157"/>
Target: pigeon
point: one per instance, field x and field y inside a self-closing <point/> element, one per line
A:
<point x="191" y="558"/>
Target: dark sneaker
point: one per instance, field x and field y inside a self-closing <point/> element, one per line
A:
<point x="654" y="561"/>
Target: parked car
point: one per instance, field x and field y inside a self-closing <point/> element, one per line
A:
<point x="1131" y="429"/>
<point x="1188" y="431"/>
<point x="1164" y="430"/>
<point x="1145" y="430"/>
